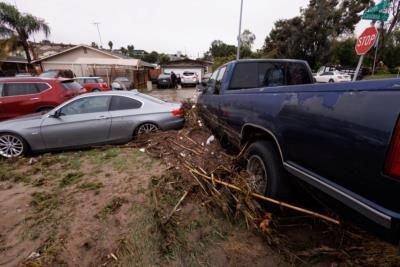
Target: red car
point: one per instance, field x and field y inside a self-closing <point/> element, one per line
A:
<point x="93" y="84"/>
<point x="20" y="96"/>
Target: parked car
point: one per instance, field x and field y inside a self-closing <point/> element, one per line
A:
<point x="87" y="120"/>
<point x="93" y="84"/>
<point x="342" y="139"/>
<point x="164" y="81"/>
<point x="23" y="75"/>
<point x="20" y="96"/>
<point x="332" y="77"/>
<point x="122" y="83"/>
<point x="56" y="73"/>
<point x="189" y="79"/>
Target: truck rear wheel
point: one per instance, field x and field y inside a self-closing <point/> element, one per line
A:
<point x="265" y="169"/>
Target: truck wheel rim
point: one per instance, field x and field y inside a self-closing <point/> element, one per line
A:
<point x="11" y="146"/>
<point x="147" y="128"/>
<point x="258" y="174"/>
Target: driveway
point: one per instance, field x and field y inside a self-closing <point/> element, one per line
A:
<point x="175" y="95"/>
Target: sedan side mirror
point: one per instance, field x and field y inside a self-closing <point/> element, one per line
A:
<point x="57" y="114"/>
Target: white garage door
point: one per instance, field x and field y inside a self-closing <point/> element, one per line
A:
<point x="181" y="71"/>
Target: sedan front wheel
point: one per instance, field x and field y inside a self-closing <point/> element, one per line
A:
<point x="12" y="146"/>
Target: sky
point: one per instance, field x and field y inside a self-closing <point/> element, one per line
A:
<point x="158" y="25"/>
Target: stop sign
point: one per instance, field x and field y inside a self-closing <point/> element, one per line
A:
<point x="366" y="40"/>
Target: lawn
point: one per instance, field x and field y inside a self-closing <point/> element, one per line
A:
<point x="380" y="76"/>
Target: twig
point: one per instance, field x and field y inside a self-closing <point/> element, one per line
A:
<point x="176" y="206"/>
<point x="189" y="149"/>
<point x="280" y="203"/>
<point x="242" y="151"/>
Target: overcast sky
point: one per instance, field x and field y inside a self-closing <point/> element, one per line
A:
<point x="160" y="25"/>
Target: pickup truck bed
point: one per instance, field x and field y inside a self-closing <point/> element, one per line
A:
<point x="336" y="137"/>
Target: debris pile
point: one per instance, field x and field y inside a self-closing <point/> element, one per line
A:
<point x="200" y="169"/>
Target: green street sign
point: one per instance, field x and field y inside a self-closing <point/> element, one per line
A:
<point x="378" y="12"/>
<point x="380" y="17"/>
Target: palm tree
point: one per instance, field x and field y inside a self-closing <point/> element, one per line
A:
<point x="18" y="27"/>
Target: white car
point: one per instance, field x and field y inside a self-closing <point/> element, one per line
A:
<point x="332" y="77"/>
<point x="189" y="78"/>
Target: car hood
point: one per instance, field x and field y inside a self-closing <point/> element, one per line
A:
<point x="23" y="119"/>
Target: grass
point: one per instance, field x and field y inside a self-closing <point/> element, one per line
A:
<point x="90" y="186"/>
<point x="111" y="208"/>
<point x="71" y="178"/>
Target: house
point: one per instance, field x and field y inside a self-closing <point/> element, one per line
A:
<point x="85" y="60"/>
<point x="180" y="66"/>
<point x="12" y="65"/>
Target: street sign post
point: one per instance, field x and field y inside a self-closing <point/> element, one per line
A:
<point x="363" y="44"/>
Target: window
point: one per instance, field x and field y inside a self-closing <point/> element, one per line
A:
<point x="1" y="88"/>
<point x="71" y="85"/>
<point x="90" y="80"/>
<point x="87" y="105"/>
<point x="15" y="89"/>
<point x="42" y="86"/>
<point x="245" y="76"/>
<point x="123" y="103"/>
<point x="298" y="74"/>
<point x="271" y="74"/>
<point x="100" y="80"/>
<point x="211" y="82"/>
<point x="81" y="81"/>
<point x="218" y="83"/>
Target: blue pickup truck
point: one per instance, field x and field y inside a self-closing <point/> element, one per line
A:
<point x="343" y="139"/>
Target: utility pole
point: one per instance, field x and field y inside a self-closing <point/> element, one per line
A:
<point x="240" y="30"/>
<point x="98" y="30"/>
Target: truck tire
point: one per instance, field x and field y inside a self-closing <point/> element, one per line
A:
<point x="266" y="171"/>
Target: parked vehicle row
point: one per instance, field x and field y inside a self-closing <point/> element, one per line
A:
<point x="93" y="84"/>
<point x="20" y="96"/>
<point x="90" y="119"/>
<point x="342" y="139"/>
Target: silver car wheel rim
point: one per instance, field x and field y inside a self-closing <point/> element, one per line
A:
<point x="11" y="146"/>
<point x="147" y="128"/>
<point x="258" y="174"/>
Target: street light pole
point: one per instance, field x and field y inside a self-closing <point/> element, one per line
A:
<point x="98" y="30"/>
<point x="240" y="30"/>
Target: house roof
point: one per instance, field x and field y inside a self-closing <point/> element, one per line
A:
<point x="186" y="63"/>
<point x="77" y="47"/>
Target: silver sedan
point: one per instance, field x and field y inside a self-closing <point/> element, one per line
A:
<point x="88" y="120"/>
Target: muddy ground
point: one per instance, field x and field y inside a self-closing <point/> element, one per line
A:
<point x="140" y="205"/>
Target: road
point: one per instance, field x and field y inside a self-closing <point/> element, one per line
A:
<point x="175" y="95"/>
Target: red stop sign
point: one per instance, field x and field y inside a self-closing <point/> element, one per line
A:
<point x="366" y="40"/>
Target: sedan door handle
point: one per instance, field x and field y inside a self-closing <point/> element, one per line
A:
<point x="35" y="98"/>
<point x="103" y="117"/>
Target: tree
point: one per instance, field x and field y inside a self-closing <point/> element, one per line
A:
<point x="220" y="49"/>
<point x="247" y="39"/>
<point x="94" y="45"/>
<point x="124" y="51"/>
<point x="310" y="35"/>
<point x="19" y="27"/>
<point x="110" y="44"/>
<point x="151" y="57"/>
<point x="131" y="50"/>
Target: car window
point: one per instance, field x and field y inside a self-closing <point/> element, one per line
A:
<point x="123" y="103"/>
<point x="271" y="74"/>
<point x="71" y="85"/>
<point x="245" y="76"/>
<point x="298" y="74"/>
<point x="90" y="81"/>
<point x="1" y="88"/>
<point x="49" y="74"/>
<point x="81" y="81"/>
<point x="87" y="105"/>
<point x="42" y="86"/>
<point x="211" y="82"/>
<point x="15" y="89"/>
<point x="100" y="80"/>
<point x="218" y="82"/>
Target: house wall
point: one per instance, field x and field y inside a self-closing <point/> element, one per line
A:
<point x="74" y="55"/>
